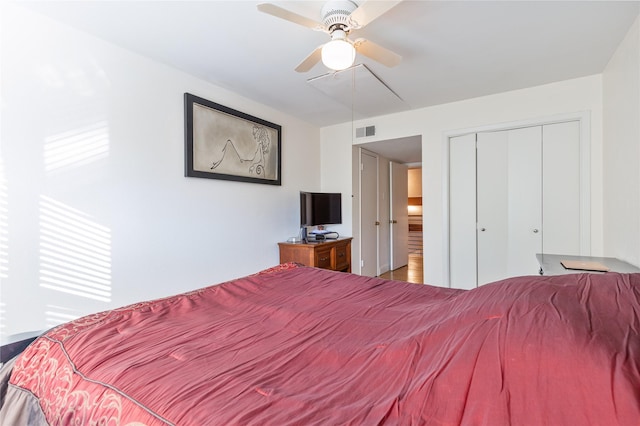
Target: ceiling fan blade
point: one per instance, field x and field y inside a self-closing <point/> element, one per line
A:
<point x="368" y="11"/>
<point x="377" y="52"/>
<point x="287" y="15"/>
<point x="311" y="60"/>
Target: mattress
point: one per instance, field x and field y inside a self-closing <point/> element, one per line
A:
<point x="300" y="345"/>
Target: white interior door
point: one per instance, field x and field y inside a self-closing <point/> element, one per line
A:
<point x="462" y="212"/>
<point x="509" y="203"/>
<point x="368" y="214"/>
<point x="399" y="215"/>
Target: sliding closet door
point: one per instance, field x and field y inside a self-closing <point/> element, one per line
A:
<point x="513" y="194"/>
<point x="525" y="200"/>
<point x="509" y="203"/>
<point x="492" y="206"/>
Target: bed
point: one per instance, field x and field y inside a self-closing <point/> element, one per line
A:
<point x="300" y="345"/>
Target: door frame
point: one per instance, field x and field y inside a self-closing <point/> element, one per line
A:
<point x="583" y="117"/>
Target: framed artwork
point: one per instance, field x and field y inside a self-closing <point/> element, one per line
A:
<point x="222" y="143"/>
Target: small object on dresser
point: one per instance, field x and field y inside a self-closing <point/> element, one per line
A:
<point x="582" y="265"/>
<point x="324" y="234"/>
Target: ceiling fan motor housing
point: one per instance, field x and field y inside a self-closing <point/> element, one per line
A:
<point x="335" y="14"/>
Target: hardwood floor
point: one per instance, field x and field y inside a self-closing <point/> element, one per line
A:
<point x="411" y="273"/>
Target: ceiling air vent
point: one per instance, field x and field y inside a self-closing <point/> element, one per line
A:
<point x="362" y="132"/>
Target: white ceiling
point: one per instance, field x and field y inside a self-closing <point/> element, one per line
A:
<point x="452" y="50"/>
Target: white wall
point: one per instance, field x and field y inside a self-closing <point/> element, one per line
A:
<point x="336" y="157"/>
<point x="583" y="94"/>
<point x="414" y="183"/>
<point x="621" y="98"/>
<point x="117" y="192"/>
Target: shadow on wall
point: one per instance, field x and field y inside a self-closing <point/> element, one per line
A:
<point x="75" y="252"/>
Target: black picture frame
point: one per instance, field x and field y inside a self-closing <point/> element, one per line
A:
<point x="223" y="143"/>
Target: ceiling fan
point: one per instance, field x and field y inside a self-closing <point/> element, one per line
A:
<point x="338" y="19"/>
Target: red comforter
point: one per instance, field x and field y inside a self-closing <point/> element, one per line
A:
<point x="297" y="345"/>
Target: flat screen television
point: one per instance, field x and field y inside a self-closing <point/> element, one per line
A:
<point x="320" y="208"/>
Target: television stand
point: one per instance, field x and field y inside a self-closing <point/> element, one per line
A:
<point x="328" y="254"/>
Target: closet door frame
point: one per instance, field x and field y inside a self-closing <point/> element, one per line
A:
<point x="583" y="117"/>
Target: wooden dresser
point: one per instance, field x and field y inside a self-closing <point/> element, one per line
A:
<point x="329" y="254"/>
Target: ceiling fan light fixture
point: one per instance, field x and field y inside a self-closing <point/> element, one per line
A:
<point x="338" y="54"/>
<point x="338" y="18"/>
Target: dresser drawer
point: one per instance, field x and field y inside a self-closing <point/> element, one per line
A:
<point x="323" y="258"/>
<point x="342" y="257"/>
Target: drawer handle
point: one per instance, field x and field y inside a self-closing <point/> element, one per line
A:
<point x="322" y="259"/>
<point x="341" y="255"/>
